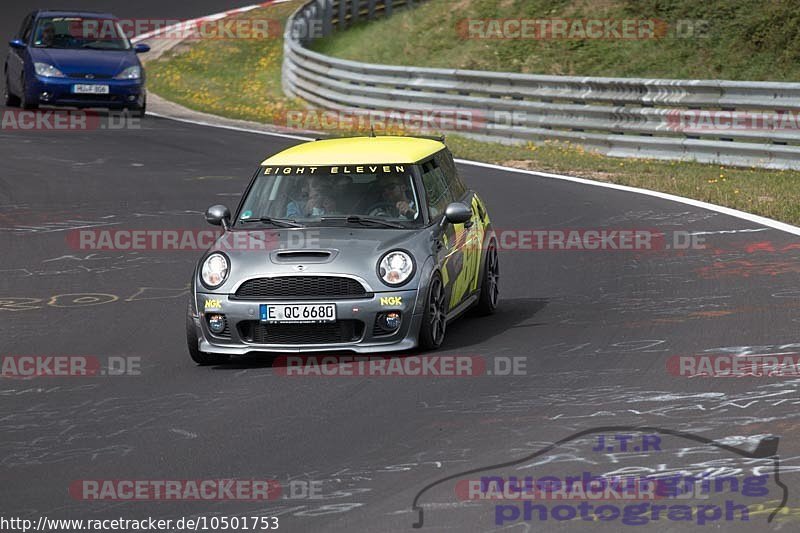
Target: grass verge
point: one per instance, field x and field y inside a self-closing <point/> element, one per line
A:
<point x="235" y="78"/>
<point x="724" y="39"/>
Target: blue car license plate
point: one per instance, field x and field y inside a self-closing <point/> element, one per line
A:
<point x="89" y="88"/>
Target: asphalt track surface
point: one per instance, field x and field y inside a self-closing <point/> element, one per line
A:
<point x="594" y="328"/>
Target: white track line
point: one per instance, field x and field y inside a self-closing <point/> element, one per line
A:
<point x="233" y="128"/>
<point x="768" y="222"/>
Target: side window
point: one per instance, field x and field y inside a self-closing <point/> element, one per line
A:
<point x="436" y="189"/>
<point x="448" y="166"/>
<point x="25" y="30"/>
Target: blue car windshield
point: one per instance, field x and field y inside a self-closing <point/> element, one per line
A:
<point x="75" y="33"/>
<point x="328" y="195"/>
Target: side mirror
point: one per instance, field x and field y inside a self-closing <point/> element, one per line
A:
<point x="219" y="215"/>
<point x="17" y="44"/>
<point x="457" y="213"/>
<point x="141" y="48"/>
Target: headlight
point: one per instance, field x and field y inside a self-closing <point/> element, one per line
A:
<point x="396" y="268"/>
<point x="48" y="71"/>
<point x="130" y="73"/>
<point x="215" y="270"/>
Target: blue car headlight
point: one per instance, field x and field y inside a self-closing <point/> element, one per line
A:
<point x="48" y="71"/>
<point x="130" y="73"/>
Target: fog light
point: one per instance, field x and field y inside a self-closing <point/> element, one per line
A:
<point x="131" y="97"/>
<point x="216" y="323"/>
<point x="45" y="96"/>
<point x="389" y="321"/>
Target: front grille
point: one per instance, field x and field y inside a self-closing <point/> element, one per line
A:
<point x="90" y="76"/>
<point x="339" y="332"/>
<point x="93" y="97"/>
<point x="301" y="288"/>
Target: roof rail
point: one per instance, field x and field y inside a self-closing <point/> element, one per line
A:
<point x="439" y="138"/>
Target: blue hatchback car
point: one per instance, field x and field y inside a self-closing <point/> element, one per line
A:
<point x="76" y="59"/>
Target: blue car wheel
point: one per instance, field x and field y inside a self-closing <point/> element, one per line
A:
<point x="25" y="102"/>
<point x="10" y="99"/>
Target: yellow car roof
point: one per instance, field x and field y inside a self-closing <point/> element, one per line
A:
<point x="358" y="150"/>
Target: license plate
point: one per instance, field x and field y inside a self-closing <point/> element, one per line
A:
<point x="303" y="313"/>
<point x="86" y="88"/>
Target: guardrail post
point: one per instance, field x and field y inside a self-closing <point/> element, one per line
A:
<point x="370" y="9"/>
<point x="327" y="17"/>
<point x="355" y="9"/>
<point x="388" y="7"/>
<point x="342" y="15"/>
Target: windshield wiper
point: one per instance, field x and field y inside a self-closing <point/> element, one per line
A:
<point x="366" y="221"/>
<point x="281" y="222"/>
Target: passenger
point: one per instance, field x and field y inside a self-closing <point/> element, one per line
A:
<point x="319" y="201"/>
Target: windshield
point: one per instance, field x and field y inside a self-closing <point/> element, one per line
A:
<point x="79" y="33"/>
<point x="325" y="195"/>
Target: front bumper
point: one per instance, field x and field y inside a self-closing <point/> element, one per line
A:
<point x="59" y="92"/>
<point x="242" y="317"/>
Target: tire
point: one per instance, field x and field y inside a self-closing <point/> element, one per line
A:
<point x="9" y="98"/>
<point x="201" y="358"/>
<point x="138" y="112"/>
<point x="434" y="324"/>
<point x="490" y="288"/>
<point x="23" y="99"/>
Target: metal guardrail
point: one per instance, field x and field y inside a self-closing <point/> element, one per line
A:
<point x="738" y="123"/>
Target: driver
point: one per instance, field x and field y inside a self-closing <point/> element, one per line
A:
<point x="48" y="36"/>
<point x="394" y="193"/>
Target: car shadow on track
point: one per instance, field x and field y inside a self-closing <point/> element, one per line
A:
<point x="470" y="330"/>
<point x="465" y="332"/>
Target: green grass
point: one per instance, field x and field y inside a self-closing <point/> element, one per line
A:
<point x="236" y="78"/>
<point x="241" y="79"/>
<point x="743" y="39"/>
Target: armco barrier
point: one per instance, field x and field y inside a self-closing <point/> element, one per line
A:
<point x="728" y="122"/>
